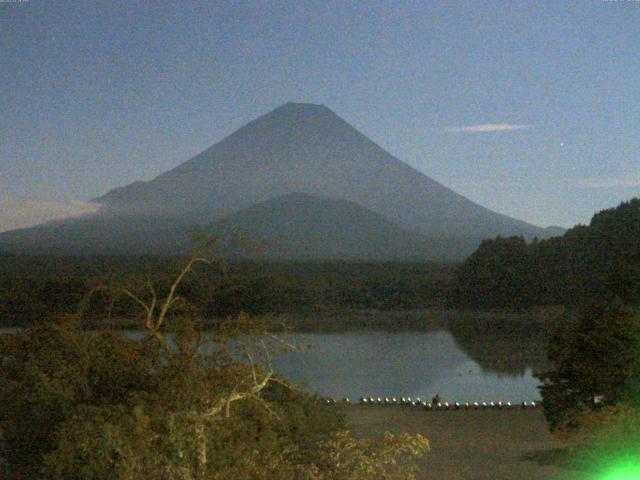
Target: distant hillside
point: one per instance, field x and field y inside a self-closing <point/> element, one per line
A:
<point x="308" y="148"/>
<point x="291" y="227"/>
<point x="114" y="235"/>
<point x="302" y="227"/>
<point x="586" y="261"/>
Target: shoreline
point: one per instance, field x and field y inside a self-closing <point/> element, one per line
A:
<point x="350" y="320"/>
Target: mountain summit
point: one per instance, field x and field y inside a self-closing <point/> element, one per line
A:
<point x="307" y="148"/>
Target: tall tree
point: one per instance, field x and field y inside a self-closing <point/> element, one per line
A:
<point x="594" y="358"/>
<point x="497" y="275"/>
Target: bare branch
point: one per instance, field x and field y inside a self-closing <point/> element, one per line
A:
<point x="172" y="291"/>
<point x="134" y="297"/>
<point x="87" y="298"/>
<point x="284" y="342"/>
<point x="152" y="307"/>
<point x="225" y="403"/>
<point x="266" y="351"/>
<point x="253" y="366"/>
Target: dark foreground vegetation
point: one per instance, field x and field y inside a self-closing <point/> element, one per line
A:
<point x="75" y="404"/>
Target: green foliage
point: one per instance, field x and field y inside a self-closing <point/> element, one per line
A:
<point x="595" y="359"/>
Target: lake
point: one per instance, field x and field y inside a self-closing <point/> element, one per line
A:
<point x="469" y="364"/>
<point x="396" y="364"/>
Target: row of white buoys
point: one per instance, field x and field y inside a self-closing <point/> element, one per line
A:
<point x="389" y="401"/>
<point x="446" y="405"/>
<point x="333" y="401"/>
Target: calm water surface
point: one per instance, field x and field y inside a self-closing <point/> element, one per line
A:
<point x="415" y="364"/>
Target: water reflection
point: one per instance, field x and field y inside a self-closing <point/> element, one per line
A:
<point x="503" y="346"/>
<point x="416" y="364"/>
<point x="471" y="360"/>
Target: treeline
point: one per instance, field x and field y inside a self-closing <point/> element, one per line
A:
<point x="583" y="263"/>
<point x="33" y="287"/>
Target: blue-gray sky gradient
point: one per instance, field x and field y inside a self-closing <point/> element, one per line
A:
<point x="529" y="108"/>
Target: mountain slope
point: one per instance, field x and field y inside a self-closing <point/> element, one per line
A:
<point x="308" y="148"/>
<point x="94" y="234"/>
<point x="294" y="227"/>
<point x="299" y="226"/>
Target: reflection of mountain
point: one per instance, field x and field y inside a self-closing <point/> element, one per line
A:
<point x="502" y="345"/>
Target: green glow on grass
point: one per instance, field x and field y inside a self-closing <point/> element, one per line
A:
<point x="625" y="470"/>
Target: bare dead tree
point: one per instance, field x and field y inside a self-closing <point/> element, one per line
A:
<point x="155" y="311"/>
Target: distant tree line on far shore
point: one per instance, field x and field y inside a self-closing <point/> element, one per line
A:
<point x="503" y="273"/>
<point x="32" y="287"/>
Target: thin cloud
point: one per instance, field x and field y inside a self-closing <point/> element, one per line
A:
<point x="487" y="127"/>
<point x="20" y="213"/>
<point x="632" y="182"/>
<point x="487" y="183"/>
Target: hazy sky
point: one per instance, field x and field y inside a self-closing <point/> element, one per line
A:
<point x="529" y="108"/>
